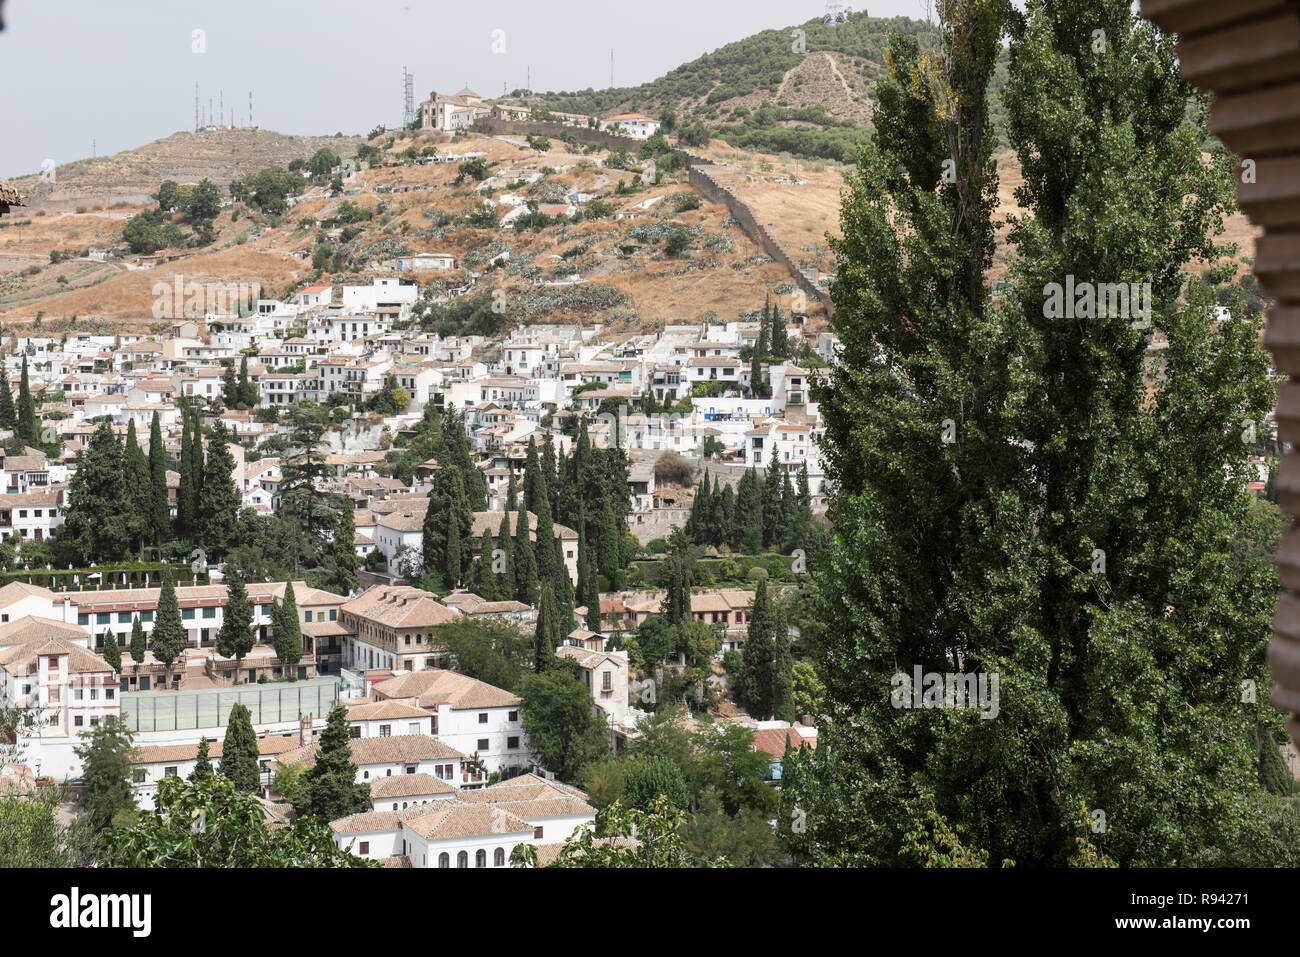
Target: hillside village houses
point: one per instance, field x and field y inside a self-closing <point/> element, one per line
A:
<point x="425" y="737"/>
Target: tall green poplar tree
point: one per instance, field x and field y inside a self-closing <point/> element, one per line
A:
<point x="1069" y="502"/>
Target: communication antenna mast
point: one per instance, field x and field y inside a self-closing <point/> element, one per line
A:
<point x="197" y="109"/>
<point x="221" y="106"/>
<point x="408" y="90"/>
<point x="250" y="107"/>
<point x="834" y="11"/>
<point x="611" y="68"/>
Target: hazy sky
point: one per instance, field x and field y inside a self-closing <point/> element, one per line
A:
<point x="121" y="73"/>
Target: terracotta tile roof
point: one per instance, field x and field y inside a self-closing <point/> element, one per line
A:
<point x="773" y="740"/>
<point x="408" y="785"/>
<point x="433" y="686"/>
<point x="162" y="753"/>
<point x="368" y="822"/>
<point x="35" y="628"/>
<point x="398" y="749"/>
<point x="399" y="606"/>
<point x="23" y="658"/>
<point x="378" y="710"/>
<point x="449" y="820"/>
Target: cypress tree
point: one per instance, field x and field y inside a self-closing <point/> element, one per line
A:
<point x="28" y="430"/>
<point x="717" y="529"/>
<point x="699" y="508"/>
<point x="219" y="499"/>
<point x="544" y="634"/>
<point x="139" y="491"/>
<point x="8" y="414"/>
<point x="448" y="525"/>
<point x="526" y="582"/>
<point x="548" y="467"/>
<point x="780" y="336"/>
<point x="506" y="583"/>
<point x="755" y="687"/>
<point x="532" y="478"/>
<point x="202" y="766"/>
<point x="563" y="589"/>
<point x="239" y="751"/>
<point x="96" y="521"/>
<point x="749" y="514"/>
<point x="112" y="653"/>
<point x="168" y="637"/>
<point x="196" y="472"/>
<point x="609" y="544"/>
<point x="329" y="789"/>
<point x="138" y="644"/>
<point x="512" y="494"/>
<point x="345" y="547"/>
<point x="184" y="492"/>
<point x="756" y="361"/>
<point x="288" y="630"/>
<point x="230" y="387"/>
<point x="545" y="537"/>
<point x="482" y="580"/>
<point x="160" y="513"/>
<point x="590" y="595"/>
<point x="782" y="668"/>
<point x="789" y="511"/>
<point x="248" y="394"/>
<point x="728" y="516"/>
<point x="236" y="637"/>
<point x="772" y="506"/>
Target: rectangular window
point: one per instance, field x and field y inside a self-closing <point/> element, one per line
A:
<point x="512" y="743"/>
<point x="137" y="775"/>
<point x="306" y="616"/>
<point x="482" y="718"/>
<point x="482" y="744"/>
<point x="363" y="848"/>
<point x="76" y="721"/>
<point x="209" y="613"/>
<point x="146" y="617"/>
<point x="103" y="618"/>
<point x="169" y="772"/>
<point x="514" y="716"/>
<point x="334" y="614"/>
<point x="385" y="730"/>
<point x="83" y="620"/>
<point x="124" y="618"/>
<point x="54" y="695"/>
<point x="187" y="614"/>
<point x="110" y="693"/>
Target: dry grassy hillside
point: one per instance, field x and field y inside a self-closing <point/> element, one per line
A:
<point x="218" y="155"/>
<point x="628" y="282"/>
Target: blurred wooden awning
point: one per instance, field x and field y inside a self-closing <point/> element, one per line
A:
<point x="1247" y="53"/>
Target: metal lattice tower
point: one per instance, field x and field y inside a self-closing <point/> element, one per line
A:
<point x="408" y="88"/>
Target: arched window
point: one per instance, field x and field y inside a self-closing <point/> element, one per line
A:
<point x="499" y="857"/>
<point x="444" y="860"/>
<point x="462" y="859"/>
<point x="480" y="858"/>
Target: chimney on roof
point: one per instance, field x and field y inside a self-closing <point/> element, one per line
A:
<point x="304" y="729"/>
